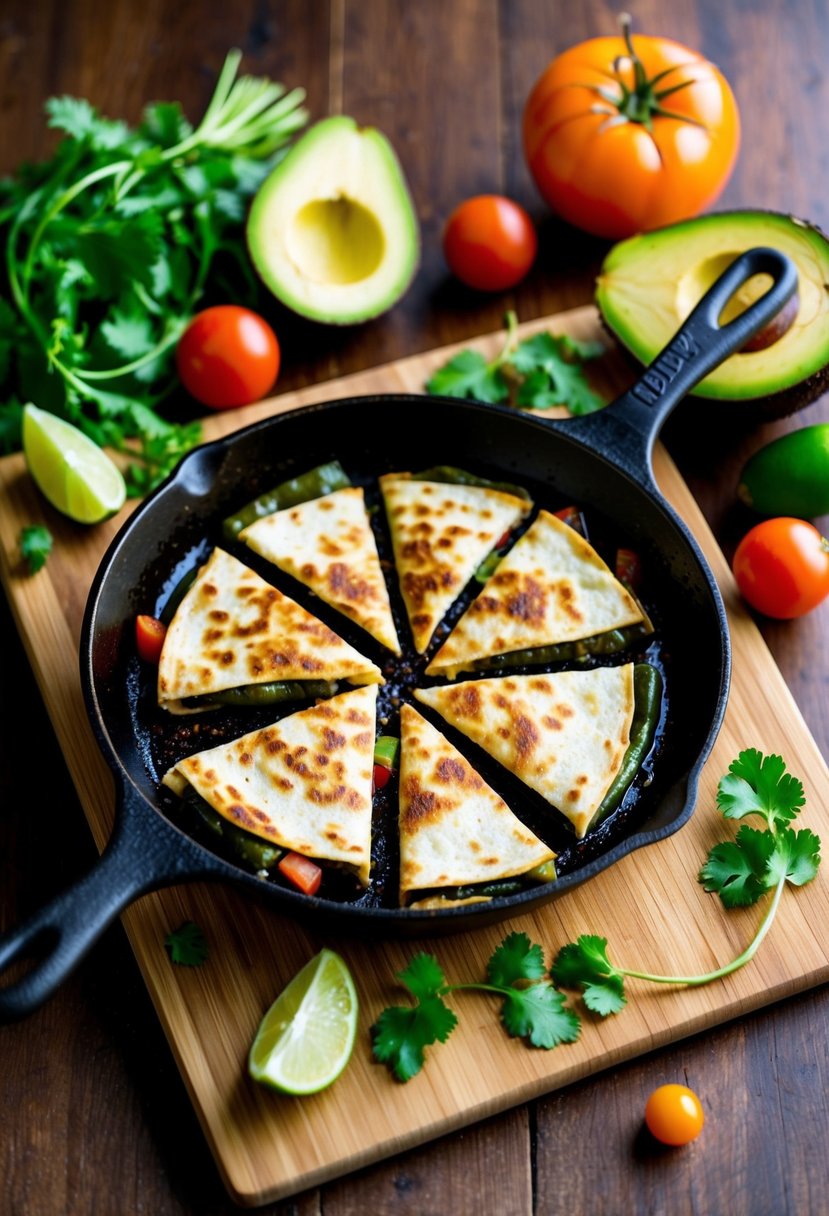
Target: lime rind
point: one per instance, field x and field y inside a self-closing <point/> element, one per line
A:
<point x="77" y="477"/>
<point x="306" y="1037"/>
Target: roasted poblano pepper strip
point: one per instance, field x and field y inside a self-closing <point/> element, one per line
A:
<point x="460" y="477"/>
<point x="177" y="595"/>
<point x="324" y="479"/>
<point x="546" y="872"/>
<point x="246" y="847"/>
<point x="567" y="652"/>
<point x="266" y="694"/>
<point x="647" y="693"/>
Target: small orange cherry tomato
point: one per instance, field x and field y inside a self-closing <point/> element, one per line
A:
<point x="149" y="637"/>
<point x="626" y="134"/>
<point x="782" y="567"/>
<point x="674" y="1114"/>
<point x="489" y="242"/>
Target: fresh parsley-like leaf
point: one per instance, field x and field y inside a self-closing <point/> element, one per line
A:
<point x="738" y="870"/>
<point x="538" y="1013"/>
<point x="516" y="959"/>
<point x="423" y="976"/>
<point x="35" y="546"/>
<point x="187" y="945"/>
<point x="760" y="785"/>
<point x="468" y="375"/>
<point x="584" y="965"/>
<point x="796" y="856"/>
<point x="400" y="1035"/>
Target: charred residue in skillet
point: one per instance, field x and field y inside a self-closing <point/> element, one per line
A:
<point x="163" y="739"/>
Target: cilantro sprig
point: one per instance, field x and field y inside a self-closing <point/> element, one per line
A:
<point x="113" y="243"/>
<point x="35" y="546"/>
<point x="757" y="862"/>
<point x="538" y="373"/>
<point x="531" y="1008"/>
<point x="187" y="945"/>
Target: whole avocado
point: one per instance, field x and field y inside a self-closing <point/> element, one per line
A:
<point x="789" y="475"/>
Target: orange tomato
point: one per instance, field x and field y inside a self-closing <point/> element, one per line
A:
<point x="489" y="242"/>
<point x="674" y="1114"/>
<point x="625" y="135"/>
<point x="149" y="637"/>
<point x="782" y="567"/>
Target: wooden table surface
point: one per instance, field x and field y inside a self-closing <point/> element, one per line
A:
<point x="94" y="1117"/>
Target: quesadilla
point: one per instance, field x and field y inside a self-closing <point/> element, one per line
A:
<point x="564" y="735"/>
<point x="440" y="533"/>
<point x="551" y="588"/>
<point x="454" y="829"/>
<point x="327" y="544"/>
<point x="303" y="784"/>
<point x="233" y="630"/>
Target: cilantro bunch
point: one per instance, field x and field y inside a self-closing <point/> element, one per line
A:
<point x="741" y="872"/>
<point x="111" y="245"/>
<point x="538" y="373"/>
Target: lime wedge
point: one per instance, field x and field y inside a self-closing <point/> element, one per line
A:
<point x="76" y="475"/>
<point x="305" y="1039"/>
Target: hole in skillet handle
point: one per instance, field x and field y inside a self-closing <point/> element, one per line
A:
<point x="625" y="430"/>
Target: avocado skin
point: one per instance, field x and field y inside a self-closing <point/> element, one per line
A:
<point x="789" y="475"/>
<point x="768" y="407"/>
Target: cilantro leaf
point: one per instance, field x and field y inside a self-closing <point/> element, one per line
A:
<point x="423" y="976"/>
<point x="538" y="1013"/>
<point x="35" y="546"/>
<point x="468" y="375"/>
<point x="797" y="855"/>
<point x="760" y="785"/>
<point x="400" y="1035"/>
<point x="585" y="965"/>
<point x="738" y="870"/>
<point x="187" y="945"/>
<point x="515" y="959"/>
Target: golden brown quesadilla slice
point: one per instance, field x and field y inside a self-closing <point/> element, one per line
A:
<point x="455" y="831"/>
<point x="441" y="532"/>
<point x="233" y="630"/>
<point x="327" y="544"/>
<point x="303" y="784"/>
<point x="551" y="588"/>
<point x="564" y="735"/>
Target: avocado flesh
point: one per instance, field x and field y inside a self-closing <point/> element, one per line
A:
<point x="650" y="283"/>
<point x="332" y="230"/>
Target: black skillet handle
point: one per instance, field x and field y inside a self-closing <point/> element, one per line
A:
<point x="143" y="854"/>
<point x="626" y="429"/>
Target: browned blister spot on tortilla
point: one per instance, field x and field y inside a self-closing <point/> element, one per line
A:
<point x="550" y="722"/>
<point x="332" y="739"/>
<point x="528" y="603"/>
<point x="526" y="736"/>
<point x="364" y="738"/>
<point x="540" y="684"/>
<point x="466" y="701"/>
<point x="308" y="570"/>
<point x="348" y="586"/>
<point x="565" y="594"/>
<point x="450" y="771"/>
<point x="245" y="758"/>
<point x="419" y="807"/>
<point x="358" y="717"/>
<point x="209" y="591"/>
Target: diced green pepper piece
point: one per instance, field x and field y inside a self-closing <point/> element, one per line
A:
<point x="546" y="872"/>
<point x="265" y="694"/>
<point x="461" y="477"/>
<point x="387" y="751"/>
<point x="324" y="479"/>
<point x="246" y="847"/>
<point x="488" y="566"/>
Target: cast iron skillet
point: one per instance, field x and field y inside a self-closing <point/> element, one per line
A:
<point x="602" y="460"/>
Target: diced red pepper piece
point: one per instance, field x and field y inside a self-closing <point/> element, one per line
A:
<point x="149" y="637"/>
<point x="629" y="568"/>
<point x="381" y="776"/>
<point x="499" y="544"/>
<point x="301" y="871"/>
<point x="574" y="519"/>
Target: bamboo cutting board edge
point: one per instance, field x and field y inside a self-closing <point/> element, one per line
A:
<point x="192" y="1014"/>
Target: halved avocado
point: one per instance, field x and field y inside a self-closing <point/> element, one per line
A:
<point x="332" y="231"/>
<point x="649" y="284"/>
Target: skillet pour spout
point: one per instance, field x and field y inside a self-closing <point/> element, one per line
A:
<point x="603" y="458"/>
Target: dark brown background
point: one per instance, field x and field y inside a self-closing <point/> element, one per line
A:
<point x="93" y="1114"/>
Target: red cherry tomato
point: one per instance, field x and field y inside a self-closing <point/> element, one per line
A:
<point x="228" y="356"/>
<point x="674" y="1114"/>
<point x="782" y="567"/>
<point x="149" y="637"/>
<point x="382" y="775"/>
<point x="489" y="242"/>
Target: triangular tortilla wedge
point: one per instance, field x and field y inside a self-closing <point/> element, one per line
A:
<point x="565" y="735"/>
<point x="551" y="587"/>
<point x="233" y="629"/>
<point x="454" y="828"/>
<point x="441" y="533"/>
<point x="327" y="544"/>
<point x="304" y="783"/>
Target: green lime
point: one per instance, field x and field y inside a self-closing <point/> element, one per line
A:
<point x="305" y="1039"/>
<point x="77" y="476"/>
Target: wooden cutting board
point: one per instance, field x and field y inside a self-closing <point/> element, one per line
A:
<point x="650" y="906"/>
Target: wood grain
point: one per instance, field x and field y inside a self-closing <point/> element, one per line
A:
<point x="266" y="1148"/>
